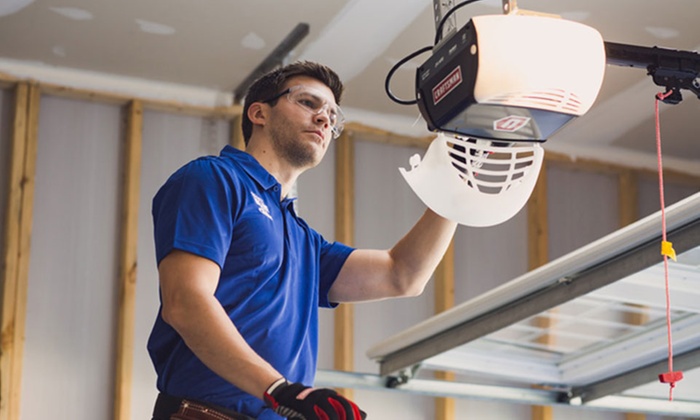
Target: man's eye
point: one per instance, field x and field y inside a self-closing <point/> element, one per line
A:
<point x="309" y="103"/>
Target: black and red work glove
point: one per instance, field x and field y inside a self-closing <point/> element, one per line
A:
<point x="296" y="401"/>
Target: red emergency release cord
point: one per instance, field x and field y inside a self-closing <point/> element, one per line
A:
<point x="667" y="251"/>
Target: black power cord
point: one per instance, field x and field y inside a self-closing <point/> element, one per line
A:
<point x="438" y="37"/>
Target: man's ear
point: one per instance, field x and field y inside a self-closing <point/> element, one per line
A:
<point x="257" y="113"/>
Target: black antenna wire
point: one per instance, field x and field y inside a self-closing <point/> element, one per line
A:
<point x="438" y="37"/>
<point x="389" y="75"/>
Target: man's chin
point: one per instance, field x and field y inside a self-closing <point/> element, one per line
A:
<point x="304" y="161"/>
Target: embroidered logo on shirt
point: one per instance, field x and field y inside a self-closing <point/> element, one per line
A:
<point x="262" y="207"/>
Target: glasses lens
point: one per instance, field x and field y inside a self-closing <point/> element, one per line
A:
<point x="308" y="100"/>
<point x="339" y="122"/>
<point x="315" y="103"/>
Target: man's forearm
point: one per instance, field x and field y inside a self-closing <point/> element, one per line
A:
<point x="212" y="337"/>
<point x="417" y="254"/>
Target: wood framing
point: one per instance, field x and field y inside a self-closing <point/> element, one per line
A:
<point x="597" y="166"/>
<point x="537" y="228"/>
<point x="670" y="177"/>
<point x="16" y="245"/>
<point x="628" y="197"/>
<point x="444" y="300"/>
<point x="131" y="172"/>
<point x="224" y="112"/>
<point x="369" y="133"/>
<point x="236" y="138"/>
<point x="10" y="251"/>
<point x="377" y="135"/>
<point x="8" y="81"/>
<point x="588" y="164"/>
<point x="344" y="232"/>
<point x="445" y="281"/>
<point x="538" y="254"/>
<point x="542" y="412"/>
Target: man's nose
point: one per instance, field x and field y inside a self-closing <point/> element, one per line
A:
<point x="324" y="115"/>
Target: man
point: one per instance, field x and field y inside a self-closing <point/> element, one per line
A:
<point x="242" y="277"/>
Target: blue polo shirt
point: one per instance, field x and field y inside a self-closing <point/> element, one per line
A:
<point x="275" y="273"/>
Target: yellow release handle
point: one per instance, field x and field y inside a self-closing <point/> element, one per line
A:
<point x="667" y="250"/>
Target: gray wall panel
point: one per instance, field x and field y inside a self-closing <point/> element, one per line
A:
<point x="6" y="115"/>
<point x="316" y="205"/>
<point x="70" y="344"/>
<point x="487" y="257"/>
<point x="582" y="207"/>
<point x="649" y="197"/>
<point x="169" y="141"/>
<point x="385" y="209"/>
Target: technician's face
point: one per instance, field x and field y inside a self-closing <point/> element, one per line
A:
<point x="301" y="126"/>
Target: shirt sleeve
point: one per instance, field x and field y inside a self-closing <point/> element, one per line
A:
<point x="193" y="212"/>
<point x="333" y="256"/>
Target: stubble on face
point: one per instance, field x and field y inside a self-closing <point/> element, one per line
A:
<point x="289" y="147"/>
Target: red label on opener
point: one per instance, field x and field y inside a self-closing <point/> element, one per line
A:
<point x="447" y="85"/>
<point x="510" y="123"/>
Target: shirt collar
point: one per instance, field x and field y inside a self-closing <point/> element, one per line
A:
<point x="256" y="171"/>
<point x="252" y="167"/>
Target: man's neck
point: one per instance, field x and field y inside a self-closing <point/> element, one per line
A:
<point x="283" y="172"/>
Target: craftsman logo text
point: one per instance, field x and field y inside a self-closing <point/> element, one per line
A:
<point x="447" y="85"/>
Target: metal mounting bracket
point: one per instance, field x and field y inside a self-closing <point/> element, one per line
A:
<point x="440" y="9"/>
<point x="403" y="376"/>
<point x="510" y="7"/>
<point x="673" y="69"/>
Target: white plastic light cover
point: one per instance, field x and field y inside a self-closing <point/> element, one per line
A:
<point x="475" y="182"/>
<point x="538" y="62"/>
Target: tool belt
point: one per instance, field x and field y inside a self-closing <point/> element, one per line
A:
<point x="175" y="408"/>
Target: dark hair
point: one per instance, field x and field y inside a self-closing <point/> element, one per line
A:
<point x="272" y="83"/>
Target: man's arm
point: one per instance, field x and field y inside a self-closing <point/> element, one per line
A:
<point x="187" y="284"/>
<point x="403" y="270"/>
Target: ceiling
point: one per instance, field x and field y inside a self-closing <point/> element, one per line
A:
<point x="217" y="43"/>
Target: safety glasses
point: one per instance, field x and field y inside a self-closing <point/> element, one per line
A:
<point x="315" y="103"/>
